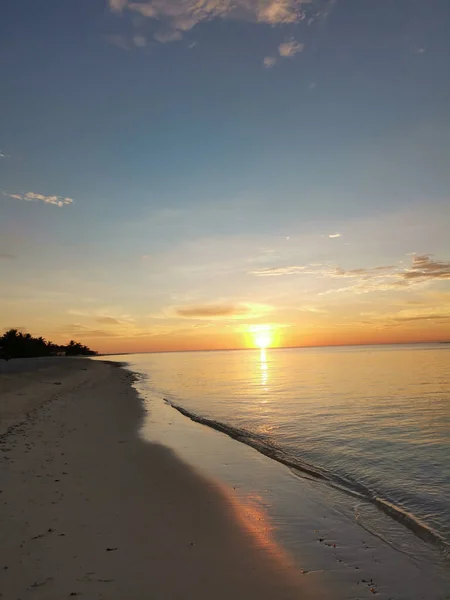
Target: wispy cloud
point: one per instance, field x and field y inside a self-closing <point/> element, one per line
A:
<point x="269" y="61"/>
<point x="3" y="154"/>
<point x="76" y="329"/>
<point x="231" y="310"/>
<point x="290" y="49"/>
<point x="174" y="17"/>
<point x="431" y="317"/>
<point x="276" y="271"/>
<point x="335" y="235"/>
<point x="212" y="310"/>
<point x="108" y="321"/>
<point x="422" y="269"/>
<point x="32" y="197"/>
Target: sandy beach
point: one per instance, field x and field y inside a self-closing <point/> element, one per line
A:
<point x="91" y="510"/>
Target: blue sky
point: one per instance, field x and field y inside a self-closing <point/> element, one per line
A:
<point x="157" y="155"/>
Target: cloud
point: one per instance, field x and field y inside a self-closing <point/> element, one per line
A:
<point x="432" y="317"/>
<point x="381" y="278"/>
<point x="108" y="321"/>
<point x="335" y="235"/>
<point x="5" y="256"/>
<point x="276" y="271"/>
<point x="76" y="329"/>
<point x="32" y="196"/>
<point x="322" y="271"/>
<point x="289" y="49"/>
<point x="423" y="268"/>
<point x="3" y="155"/>
<point x="179" y="16"/>
<point x="269" y="61"/>
<point x="212" y="310"/>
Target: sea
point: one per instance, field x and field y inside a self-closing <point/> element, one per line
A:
<point x="355" y="437"/>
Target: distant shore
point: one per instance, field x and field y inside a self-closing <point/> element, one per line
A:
<point x="90" y="510"/>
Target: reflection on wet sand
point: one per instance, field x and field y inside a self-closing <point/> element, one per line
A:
<point x="254" y="517"/>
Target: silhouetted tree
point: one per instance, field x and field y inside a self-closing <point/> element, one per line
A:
<point x="16" y="344"/>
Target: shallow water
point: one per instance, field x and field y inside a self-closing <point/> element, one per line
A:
<point x="369" y="427"/>
<point x="373" y="419"/>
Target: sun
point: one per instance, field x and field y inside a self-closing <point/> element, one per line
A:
<point x="260" y="336"/>
<point x="263" y="339"/>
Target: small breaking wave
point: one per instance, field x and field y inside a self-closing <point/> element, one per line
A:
<point x="303" y="468"/>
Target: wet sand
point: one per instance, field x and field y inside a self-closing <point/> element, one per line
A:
<point x="88" y="509"/>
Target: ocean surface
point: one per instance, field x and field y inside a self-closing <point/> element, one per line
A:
<point x="372" y="423"/>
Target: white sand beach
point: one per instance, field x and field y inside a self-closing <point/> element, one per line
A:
<point x="90" y="510"/>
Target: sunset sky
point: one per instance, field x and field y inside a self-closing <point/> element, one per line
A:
<point x="184" y="174"/>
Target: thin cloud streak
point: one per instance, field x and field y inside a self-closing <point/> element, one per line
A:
<point x="32" y="196"/>
<point x="212" y="310"/>
<point x="108" y="321"/>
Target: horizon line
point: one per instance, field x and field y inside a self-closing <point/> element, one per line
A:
<point x="277" y="348"/>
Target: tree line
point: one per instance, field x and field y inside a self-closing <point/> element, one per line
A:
<point x="17" y="344"/>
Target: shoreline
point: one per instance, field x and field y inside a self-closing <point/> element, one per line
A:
<point x="408" y="520"/>
<point x="90" y="509"/>
<point x="336" y="538"/>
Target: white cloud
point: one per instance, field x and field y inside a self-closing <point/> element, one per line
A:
<point x="290" y="49"/>
<point x="335" y="235"/>
<point x="182" y="15"/>
<point x="269" y="61"/>
<point x="32" y="196"/>
<point x="3" y="155"/>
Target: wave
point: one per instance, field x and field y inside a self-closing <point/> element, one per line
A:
<point x="302" y="468"/>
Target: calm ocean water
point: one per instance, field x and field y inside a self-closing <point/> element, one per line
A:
<point x="374" y="421"/>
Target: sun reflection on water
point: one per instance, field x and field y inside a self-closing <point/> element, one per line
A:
<point x="264" y="368"/>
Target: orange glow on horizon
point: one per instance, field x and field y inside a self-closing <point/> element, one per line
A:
<point x="305" y="334"/>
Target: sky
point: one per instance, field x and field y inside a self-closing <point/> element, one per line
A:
<point x="206" y="174"/>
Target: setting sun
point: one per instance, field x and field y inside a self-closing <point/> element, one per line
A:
<point x="261" y="336"/>
<point x="263" y="340"/>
